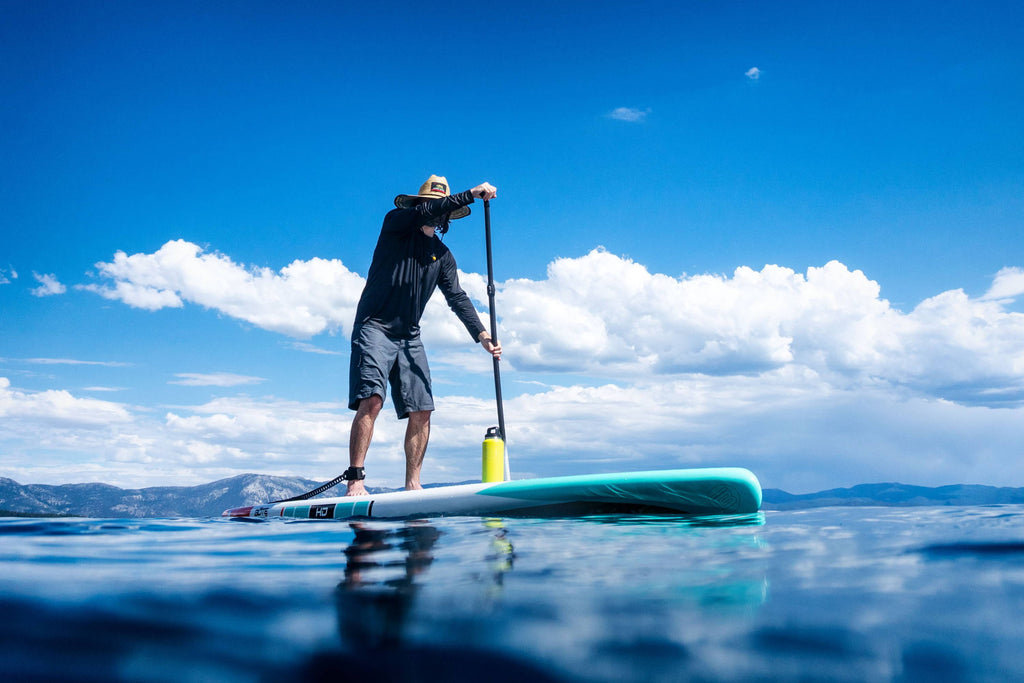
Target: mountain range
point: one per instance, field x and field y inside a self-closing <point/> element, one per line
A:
<point x="209" y="500"/>
<point x="894" y="495"/>
<point x="104" y="500"/>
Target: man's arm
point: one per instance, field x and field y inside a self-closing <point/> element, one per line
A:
<point x="433" y="208"/>
<point x="461" y="305"/>
<point x="458" y="300"/>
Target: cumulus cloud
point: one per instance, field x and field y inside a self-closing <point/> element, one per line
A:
<point x="217" y="379"/>
<point x="810" y="378"/>
<point x="606" y="316"/>
<point x="753" y="73"/>
<point x="49" y="285"/>
<point x="4" y="279"/>
<point x="301" y="300"/>
<point x="628" y="322"/>
<point x="629" y="114"/>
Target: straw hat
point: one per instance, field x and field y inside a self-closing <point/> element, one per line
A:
<point x="435" y="188"/>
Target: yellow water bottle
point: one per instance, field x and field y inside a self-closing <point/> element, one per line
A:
<point x="494" y="456"/>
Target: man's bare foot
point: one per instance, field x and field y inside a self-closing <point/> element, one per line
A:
<point x="356" y="488"/>
<point x="413" y="487"/>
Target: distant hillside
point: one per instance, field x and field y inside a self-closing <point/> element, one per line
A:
<point x="210" y="500"/>
<point x="103" y="500"/>
<point x="896" y="495"/>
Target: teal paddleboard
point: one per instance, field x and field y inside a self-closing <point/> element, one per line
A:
<point x="704" y="491"/>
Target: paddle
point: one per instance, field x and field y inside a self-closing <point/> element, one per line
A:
<point x="494" y="324"/>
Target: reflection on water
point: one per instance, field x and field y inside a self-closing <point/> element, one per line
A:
<point x="385" y="569"/>
<point x="378" y="591"/>
<point x="501" y="554"/>
<point x="821" y="595"/>
<point x="582" y="593"/>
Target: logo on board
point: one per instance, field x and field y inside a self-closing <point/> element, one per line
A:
<point x="321" y="511"/>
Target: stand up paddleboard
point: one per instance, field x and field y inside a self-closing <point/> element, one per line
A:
<point x="707" y="491"/>
<point x="721" y="491"/>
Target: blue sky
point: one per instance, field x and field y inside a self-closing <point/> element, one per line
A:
<point x="785" y="236"/>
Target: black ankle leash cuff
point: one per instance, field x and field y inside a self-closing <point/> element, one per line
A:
<point x="354" y="474"/>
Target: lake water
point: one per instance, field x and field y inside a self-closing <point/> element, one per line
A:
<point x="832" y="594"/>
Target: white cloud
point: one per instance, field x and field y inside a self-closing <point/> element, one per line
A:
<point x="301" y="300"/>
<point x="55" y="437"/>
<point x="217" y="379"/>
<point x="306" y="347"/>
<point x="793" y="427"/>
<point x="262" y="423"/>
<point x="59" y="408"/>
<point x="306" y="298"/>
<point x="605" y="316"/>
<point x="753" y="73"/>
<point x="71" y="361"/>
<point x="4" y="280"/>
<point x="49" y="285"/>
<point x="629" y="114"/>
<point x="1008" y="284"/>
<point x="810" y="379"/>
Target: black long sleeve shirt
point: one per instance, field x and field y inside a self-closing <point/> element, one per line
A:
<point x="407" y="265"/>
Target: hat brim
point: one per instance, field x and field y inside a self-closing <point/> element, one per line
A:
<point x="407" y="201"/>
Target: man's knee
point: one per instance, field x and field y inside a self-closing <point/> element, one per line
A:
<point x="371" y="405"/>
<point x="419" y="417"/>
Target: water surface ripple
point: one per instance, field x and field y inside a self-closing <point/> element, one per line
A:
<point x="833" y="594"/>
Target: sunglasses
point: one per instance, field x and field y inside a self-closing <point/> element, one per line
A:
<point x="441" y="223"/>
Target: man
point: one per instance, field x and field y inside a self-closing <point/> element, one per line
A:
<point x="410" y="260"/>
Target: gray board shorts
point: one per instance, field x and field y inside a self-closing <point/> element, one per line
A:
<point x="379" y="359"/>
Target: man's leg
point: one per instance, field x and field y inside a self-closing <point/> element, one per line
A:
<point x="417" y="433"/>
<point x="360" y="437"/>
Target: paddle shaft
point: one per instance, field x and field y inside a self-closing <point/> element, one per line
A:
<point x="494" y="318"/>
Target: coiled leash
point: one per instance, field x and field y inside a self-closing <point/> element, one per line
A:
<point x="351" y="474"/>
